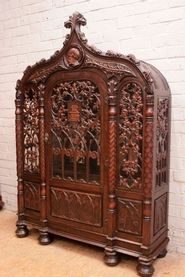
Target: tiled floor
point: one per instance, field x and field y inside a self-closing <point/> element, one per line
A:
<point x="65" y="258"/>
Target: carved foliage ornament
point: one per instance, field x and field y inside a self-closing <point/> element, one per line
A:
<point x="130" y="136"/>
<point x="31" y="131"/>
<point x="75" y="120"/>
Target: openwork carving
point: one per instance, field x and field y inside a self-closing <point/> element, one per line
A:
<point x="75" y="206"/>
<point x="162" y="141"/>
<point x="130" y="136"/>
<point x="75" y="122"/>
<point x="129" y="216"/>
<point x="31" y="131"/>
<point x="32" y="195"/>
<point x="160" y="218"/>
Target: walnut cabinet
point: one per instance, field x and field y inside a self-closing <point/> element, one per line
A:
<point x="92" y="139"/>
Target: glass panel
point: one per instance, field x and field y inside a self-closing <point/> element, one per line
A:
<point x="75" y="124"/>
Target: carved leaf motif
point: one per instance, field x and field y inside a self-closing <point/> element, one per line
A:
<point x="109" y="67"/>
<point x="130" y="136"/>
<point x="74" y="22"/>
<point x="31" y="131"/>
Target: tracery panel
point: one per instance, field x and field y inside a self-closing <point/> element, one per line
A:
<point x="75" y="127"/>
<point x="76" y="206"/>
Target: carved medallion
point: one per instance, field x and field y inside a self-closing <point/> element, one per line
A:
<point x="74" y="56"/>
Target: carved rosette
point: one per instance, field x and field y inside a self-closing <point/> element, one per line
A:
<point x="130" y="136"/>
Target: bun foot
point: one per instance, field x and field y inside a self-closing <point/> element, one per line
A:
<point x="111" y="257"/>
<point x="145" y="269"/>
<point x="22" y="231"/>
<point x="45" y="238"/>
<point x="162" y="254"/>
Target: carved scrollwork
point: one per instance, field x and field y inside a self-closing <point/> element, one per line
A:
<point x="42" y="74"/>
<point x="109" y="67"/>
<point x="130" y="136"/>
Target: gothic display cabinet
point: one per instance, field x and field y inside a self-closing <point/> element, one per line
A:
<point x="92" y="137"/>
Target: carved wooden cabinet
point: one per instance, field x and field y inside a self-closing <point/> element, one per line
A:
<point x="92" y="134"/>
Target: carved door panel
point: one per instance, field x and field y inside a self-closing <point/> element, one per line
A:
<point x="75" y="136"/>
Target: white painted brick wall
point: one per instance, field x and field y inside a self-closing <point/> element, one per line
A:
<point x="153" y="30"/>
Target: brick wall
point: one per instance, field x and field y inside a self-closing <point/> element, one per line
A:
<point x="153" y="30"/>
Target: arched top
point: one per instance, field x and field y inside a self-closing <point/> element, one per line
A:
<point x="76" y="54"/>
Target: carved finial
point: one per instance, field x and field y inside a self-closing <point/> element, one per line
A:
<point x="74" y="23"/>
<point x="148" y="77"/>
<point x="18" y="92"/>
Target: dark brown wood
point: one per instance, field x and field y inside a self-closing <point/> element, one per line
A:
<point x="92" y="138"/>
<point x="1" y="203"/>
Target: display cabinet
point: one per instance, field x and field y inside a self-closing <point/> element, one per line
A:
<point x="92" y="137"/>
